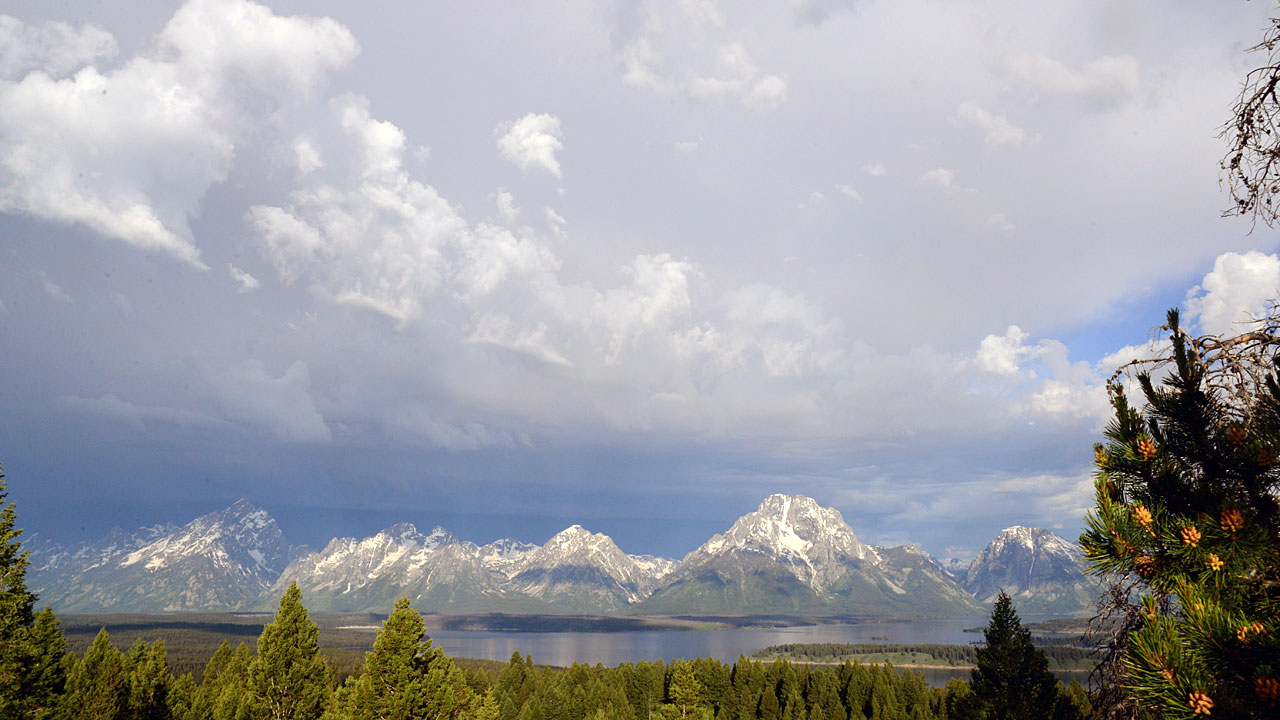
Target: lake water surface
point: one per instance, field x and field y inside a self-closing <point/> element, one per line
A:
<point x="611" y="649"/>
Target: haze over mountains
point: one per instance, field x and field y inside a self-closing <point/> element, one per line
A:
<point x="790" y="556"/>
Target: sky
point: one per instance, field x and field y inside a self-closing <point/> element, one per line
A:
<point x="505" y="267"/>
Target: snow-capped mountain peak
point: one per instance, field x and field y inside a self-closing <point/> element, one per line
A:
<point x="796" y="530"/>
<point x="403" y="533"/>
<point x="1033" y="565"/>
<point x="243" y="533"/>
<point x="504" y="556"/>
<point x="439" y="537"/>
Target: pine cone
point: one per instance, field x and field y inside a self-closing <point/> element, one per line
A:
<point x="1268" y="690"/>
<point x="1190" y="536"/>
<point x="1142" y="516"/>
<point x="1146" y="448"/>
<point x="1231" y="520"/>
<point x="1200" y="703"/>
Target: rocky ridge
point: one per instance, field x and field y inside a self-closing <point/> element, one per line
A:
<point x="790" y="555"/>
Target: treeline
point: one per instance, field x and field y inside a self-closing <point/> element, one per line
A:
<point x="406" y="676"/>
<point x="1059" y="657"/>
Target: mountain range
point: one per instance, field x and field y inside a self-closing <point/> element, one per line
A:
<point x="790" y="556"/>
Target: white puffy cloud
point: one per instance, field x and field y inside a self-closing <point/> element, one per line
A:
<point x="657" y="294"/>
<point x="54" y="48"/>
<point x="506" y="206"/>
<point x="244" y="281"/>
<point x="130" y="152"/>
<point x="306" y="156"/>
<point x="1237" y="289"/>
<point x="1002" y="354"/>
<point x="1103" y="82"/>
<point x="685" y="48"/>
<point x="939" y="177"/>
<point x="849" y="191"/>
<point x="999" y="131"/>
<point x="532" y="142"/>
<point x="875" y="169"/>
<point x="1002" y="224"/>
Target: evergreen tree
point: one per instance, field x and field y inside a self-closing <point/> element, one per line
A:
<point x="46" y="673"/>
<point x="182" y="699"/>
<point x="229" y="694"/>
<point x="1011" y="679"/>
<point x="686" y="695"/>
<point x="406" y="678"/>
<point x="16" y="612"/>
<point x="1073" y="702"/>
<point x="98" y="686"/>
<point x="1188" y="505"/>
<point x="289" y="679"/>
<point x="150" y="683"/>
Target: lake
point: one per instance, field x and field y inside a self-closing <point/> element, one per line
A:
<point x="611" y="649"/>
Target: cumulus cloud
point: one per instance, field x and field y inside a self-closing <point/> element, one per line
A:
<point x="849" y="191"/>
<point x="54" y="48"/>
<point x="306" y="156"/>
<point x="1002" y="354"/>
<point x="939" y="177"/>
<point x="245" y="281"/>
<point x="685" y="48"/>
<point x="1103" y="82"/>
<point x="1236" y="290"/>
<point x="506" y="206"/>
<point x="381" y="240"/>
<point x="875" y="169"/>
<point x="130" y="152"/>
<point x="532" y="142"/>
<point x="657" y="294"/>
<point x="999" y="131"/>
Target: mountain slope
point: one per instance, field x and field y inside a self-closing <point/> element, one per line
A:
<point x="583" y="572"/>
<point x="1041" y="571"/>
<point x="792" y="555"/>
<point x="218" y="561"/>
<point x="436" y="571"/>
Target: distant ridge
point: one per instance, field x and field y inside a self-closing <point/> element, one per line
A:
<point x="789" y="556"/>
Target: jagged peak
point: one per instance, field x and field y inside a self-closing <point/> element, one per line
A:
<point x="242" y="507"/>
<point x="403" y="532"/>
<point x="779" y="502"/>
<point x="439" y="537"/>
<point x="242" y="512"/>
<point x="573" y="532"/>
